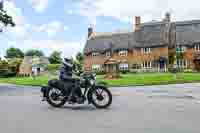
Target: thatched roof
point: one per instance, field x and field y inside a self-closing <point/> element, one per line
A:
<point x="152" y="34"/>
<point x="188" y="32"/>
<point x="148" y="36"/>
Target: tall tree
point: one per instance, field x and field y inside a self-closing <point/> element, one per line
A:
<point x="14" y="53"/>
<point x="78" y="61"/>
<point x="80" y="57"/>
<point x="4" y="17"/>
<point x="34" y="52"/>
<point x="55" y="58"/>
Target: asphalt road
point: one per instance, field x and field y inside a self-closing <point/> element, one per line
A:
<point x="152" y="109"/>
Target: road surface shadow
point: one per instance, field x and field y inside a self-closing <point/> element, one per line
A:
<point x="173" y="97"/>
<point x="79" y="108"/>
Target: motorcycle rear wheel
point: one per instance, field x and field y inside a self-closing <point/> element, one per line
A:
<point x="53" y="97"/>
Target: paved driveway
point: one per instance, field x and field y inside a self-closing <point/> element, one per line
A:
<point x="152" y="109"/>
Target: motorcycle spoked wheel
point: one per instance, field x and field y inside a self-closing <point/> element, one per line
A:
<point x="56" y="97"/>
<point x="101" y="98"/>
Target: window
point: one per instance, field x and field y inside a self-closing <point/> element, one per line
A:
<point x="180" y="49"/>
<point x="181" y="63"/>
<point x="146" y="50"/>
<point x="96" y="67"/>
<point x="123" y="66"/>
<point x="123" y="53"/>
<point x="108" y="54"/>
<point x="95" y="54"/>
<point x="146" y="64"/>
<point x="197" y="47"/>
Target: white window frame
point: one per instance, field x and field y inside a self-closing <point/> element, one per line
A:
<point x="146" y="50"/>
<point x="123" y="53"/>
<point x="108" y="54"/>
<point x="96" y="67"/>
<point x="182" y="49"/>
<point x="94" y="54"/>
<point x="147" y="64"/>
<point x="123" y="66"/>
<point x="197" y="47"/>
<point x="181" y="63"/>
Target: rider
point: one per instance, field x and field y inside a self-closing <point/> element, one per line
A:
<point x="66" y="75"/>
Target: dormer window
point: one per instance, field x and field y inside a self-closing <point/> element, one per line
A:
<point x="180" y="49"/>
<point x="197" y="47"/>
<point x="146" y="50"/>
<point x="123" y="53"/>
<point x="108" y="54"/>
<point x="94" y="54"/>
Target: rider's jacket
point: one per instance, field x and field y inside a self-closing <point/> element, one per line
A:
<point x="66" y="72"/>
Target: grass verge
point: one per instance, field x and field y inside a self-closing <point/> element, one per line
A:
<point x="125" y="80"/>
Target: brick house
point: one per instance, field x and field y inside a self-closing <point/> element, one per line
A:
<point x="150" y="47"/>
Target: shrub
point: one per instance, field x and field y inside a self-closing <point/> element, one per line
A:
<point x="175" y="70"/>
<point x="14" y="64"/>
<point x="53" y="67"/>
<point x="124" y="71"/>
<point x="99" y="72"/>
<point x="188" y="71"/>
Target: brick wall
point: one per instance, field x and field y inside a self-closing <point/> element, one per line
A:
<point x="135" y="56"/>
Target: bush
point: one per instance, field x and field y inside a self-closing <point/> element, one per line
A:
<point x="7" y="74"/>
<point x="188" y="71"/>
<point x="124" y="71"/>
<point x="53" y="67"/>
<point x="99" y="73"/>
<point x="175" y="70"/>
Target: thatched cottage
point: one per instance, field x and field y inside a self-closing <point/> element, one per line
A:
<point x="151" y="46"/>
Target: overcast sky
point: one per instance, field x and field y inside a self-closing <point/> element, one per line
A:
<point x="62" y="24"/>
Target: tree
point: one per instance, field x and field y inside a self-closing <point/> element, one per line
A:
<point x="80" y="57"/>
<point x="14" y="53"/>
<point x="14" y="64"/>
<point x="4" y="17"/>
<point x="34" y="52"/>
<point x="78" y="61"/>
<point x="55" y="58"/>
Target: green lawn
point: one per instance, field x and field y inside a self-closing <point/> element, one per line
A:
<point x="153" y="79"/>
<point x="125" y="80"/>
<point x="38" y="81"/>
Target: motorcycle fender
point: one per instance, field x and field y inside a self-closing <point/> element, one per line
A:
<point x="44" y="90"/>
<point x="89" y="94"/>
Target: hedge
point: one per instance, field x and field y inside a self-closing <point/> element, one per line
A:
<point x="53" y="67"/>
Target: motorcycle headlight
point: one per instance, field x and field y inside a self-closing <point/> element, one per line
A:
<point x="92" y="82"/>
<point x="94" y="75"/>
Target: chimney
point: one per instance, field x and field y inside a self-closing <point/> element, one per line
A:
<point x="90" y="31"/>
<point x="137" y="23"/>
<point x="167" y="17"/>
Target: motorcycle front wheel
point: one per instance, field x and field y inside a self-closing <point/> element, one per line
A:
<point x="55" y="97"/>
<point x="101" y="98"/>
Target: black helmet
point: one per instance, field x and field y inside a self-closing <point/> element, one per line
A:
<point x="67" y="62"/>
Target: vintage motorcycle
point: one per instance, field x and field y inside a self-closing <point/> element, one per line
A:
<point x="56" y="95"/>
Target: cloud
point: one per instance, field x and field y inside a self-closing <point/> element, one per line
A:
<point x="51" y="28"/>
<point x="20" y="30"/>
<point x="149" y="10"/>
<point x="70" y="12"/>
<point x="39" y="5"/>
<point x="15" y="12"/>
